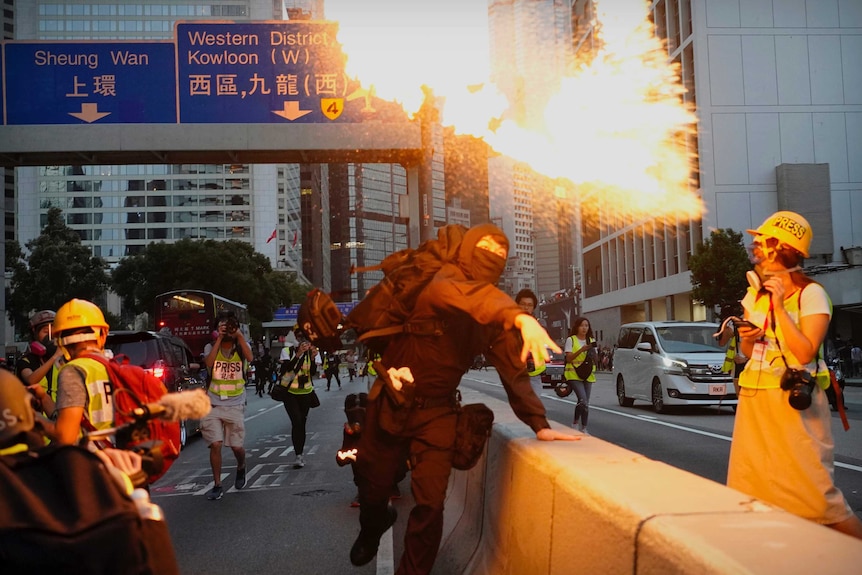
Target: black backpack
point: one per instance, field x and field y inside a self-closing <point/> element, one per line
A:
<point x="62" y="512"/>
<point x="386" y="308"/>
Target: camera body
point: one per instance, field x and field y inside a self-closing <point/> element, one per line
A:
<point x="800" y="384"/>
<point x="231" y="325"/>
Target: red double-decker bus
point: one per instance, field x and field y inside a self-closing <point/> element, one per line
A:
<point x="190" y="314"/>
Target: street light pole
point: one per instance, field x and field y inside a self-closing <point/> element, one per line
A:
<point x="428" y="116"/>
<point x="576" y="286"/>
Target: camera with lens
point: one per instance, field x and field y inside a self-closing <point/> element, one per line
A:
<point x="800" y="384"/>
<point x="231" y="325"/>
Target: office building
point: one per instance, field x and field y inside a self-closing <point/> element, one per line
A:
<point x="531" y="50"/>
<point x="777" y="89"/>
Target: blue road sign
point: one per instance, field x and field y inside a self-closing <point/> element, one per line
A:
<point x="291" y="313"/>
<point x="265" y="72"/>
<point x="90" y="82"/>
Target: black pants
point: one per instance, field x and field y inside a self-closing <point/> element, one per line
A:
<point x="297" y="407"/>
<point x="427" y="441"/>
<point x="329" y="375"/>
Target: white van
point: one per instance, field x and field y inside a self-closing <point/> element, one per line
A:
<point x="671" y="363"/>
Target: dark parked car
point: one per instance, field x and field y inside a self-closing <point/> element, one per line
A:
<point x="165" y="356"/>
<point x="553" y="378"/>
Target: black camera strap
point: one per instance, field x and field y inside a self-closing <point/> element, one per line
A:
<point x="839" y="399"/>
<point x="772" y="324"/>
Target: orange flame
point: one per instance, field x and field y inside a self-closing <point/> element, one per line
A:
<point x="616" y="127"/>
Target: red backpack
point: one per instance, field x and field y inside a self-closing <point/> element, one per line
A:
<point x="156" y="438"/>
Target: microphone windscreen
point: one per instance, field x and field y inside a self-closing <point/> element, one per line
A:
<point x="193" y="404"/>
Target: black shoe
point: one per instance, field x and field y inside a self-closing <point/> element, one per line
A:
<point x="365" y="547"/>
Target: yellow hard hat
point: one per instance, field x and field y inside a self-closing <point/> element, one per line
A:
<point x="789" y="228"/>
<point x="75" y="314"/>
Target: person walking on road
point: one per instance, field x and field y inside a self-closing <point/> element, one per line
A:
<point x="527" y="301"/>
<point x="300" y="396"/>
<point x="856" y="359"/>
<point x="330" y="369"/>
<point x="225" y="423"/>
<point x="782" y="450"/>
<point x="580" y="371"/>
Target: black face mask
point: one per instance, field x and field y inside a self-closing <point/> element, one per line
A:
<point x="50" y="348"/>
<point x="486" y="266"/>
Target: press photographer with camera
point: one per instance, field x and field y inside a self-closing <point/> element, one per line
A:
<point x="296" y="377"/>
<point x="782" y="449"/>
<point x="225" y="424"/>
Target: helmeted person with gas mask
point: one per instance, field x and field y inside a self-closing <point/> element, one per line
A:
<point x="84" y="388"/>
<point x="782" y="447"/>
<point x="39" y="368"/>
<point x="475" y="317"/>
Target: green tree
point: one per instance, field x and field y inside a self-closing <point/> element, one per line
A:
<point x="55" y="268"/>
<point x="718" y="268"/>
<point x="231" y="269"/>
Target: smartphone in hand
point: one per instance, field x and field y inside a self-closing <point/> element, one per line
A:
<point x="739" y="322"/>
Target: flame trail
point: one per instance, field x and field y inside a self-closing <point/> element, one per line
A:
<point x="615" y="128"/>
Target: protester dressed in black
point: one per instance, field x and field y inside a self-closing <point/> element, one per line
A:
<point x="478" y="318"/>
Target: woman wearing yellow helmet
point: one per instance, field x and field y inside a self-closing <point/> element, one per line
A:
<point x="782" y="447"/>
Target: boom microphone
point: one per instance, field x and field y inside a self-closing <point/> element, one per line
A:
<point x="193" y="404"/>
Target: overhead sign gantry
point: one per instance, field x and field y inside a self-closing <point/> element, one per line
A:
<point x="220" y="92"/>
<point x="252" y="91"/>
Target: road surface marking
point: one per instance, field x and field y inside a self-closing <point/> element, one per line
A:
<point x="650" y="419"/>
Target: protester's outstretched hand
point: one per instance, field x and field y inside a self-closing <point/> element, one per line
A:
<point x="549" y="434"/>
<point x="536" y="339"/>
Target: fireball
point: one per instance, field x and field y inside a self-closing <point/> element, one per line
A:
<point x="614" y="124"/>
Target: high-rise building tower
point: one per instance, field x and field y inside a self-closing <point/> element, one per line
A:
<point x="772" y="86"/>
<point x="117" y="210"/>
<point x="531" y="50"/>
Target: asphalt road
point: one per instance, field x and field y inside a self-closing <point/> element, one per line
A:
<point x="696" y="439"/>
<point x="285" y="520"/>
<point x="300" y="520"/>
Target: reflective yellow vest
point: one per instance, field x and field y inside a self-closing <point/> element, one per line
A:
<point x="371" y="371"/>
<point x="570" y="372"/>
<point x="52" y="388"/>
<point x="100" y="407"/>
<point x="304" y="368"/>
<point x="228" y="375"/>
<point x="729" y="365"/>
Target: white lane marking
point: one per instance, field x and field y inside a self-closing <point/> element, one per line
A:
<point x="385" y="559"/>
<point x="210" y="485"/>
<point x="651" y="419"/>
<point x="248" y="477"/>
<point x="264" y="412"/>
<point x="385" y="554"/>
<point x="646" y="418"/>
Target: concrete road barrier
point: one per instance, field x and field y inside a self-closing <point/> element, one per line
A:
<point x="531" y="508"/>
